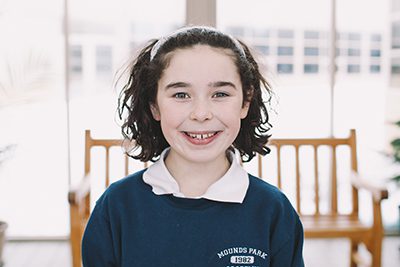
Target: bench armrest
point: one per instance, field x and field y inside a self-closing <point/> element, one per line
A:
<point x="378" y="192"/>
<point x="79" y="192"/>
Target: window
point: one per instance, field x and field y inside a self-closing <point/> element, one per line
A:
<point x="353" y="68"/>
<point x="311" y="68"/>
<point x="103" y="60"/>
<point x="285" y="51"/>
<point x="376" y="38"/>
<point x="235" y="31"/>
<point x="353" y="52"/>
<point x="311" y="35"/>
<point x="34" y="42"/>
<point x="396" y="34"/>
<point x="285" y="68"/>
<point x="261" y="33"/>
<point x="33" y="179"/>
<point x="263" y="49"/>
<point x="311" y="51"/>
<point x="375" y="52"/>
<point x="76" y="59"/>
<point x="354" y="36"/>
<point x="396" y="5"/>
<point x="375" y="68"/>
<point x="395" y="66"/>
<point x="285" y="34"/>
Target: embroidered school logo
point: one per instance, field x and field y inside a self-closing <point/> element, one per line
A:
<point x="243" y="256"/>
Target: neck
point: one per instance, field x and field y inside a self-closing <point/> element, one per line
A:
<point x="195" y="178"/>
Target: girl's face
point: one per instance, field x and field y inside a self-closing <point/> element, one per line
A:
<point x="200" y="104"/>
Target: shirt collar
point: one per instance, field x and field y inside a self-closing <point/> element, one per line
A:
<point x="231" y="187"/>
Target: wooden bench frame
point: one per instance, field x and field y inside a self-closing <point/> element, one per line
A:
<point x="317" y="225"/>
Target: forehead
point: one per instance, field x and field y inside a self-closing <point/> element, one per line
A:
<point x="201" y="59"/>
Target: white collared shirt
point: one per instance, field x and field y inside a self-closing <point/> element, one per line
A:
<point x="231" y="187"/>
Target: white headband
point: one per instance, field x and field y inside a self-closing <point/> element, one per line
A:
<point x="164" y="39"/>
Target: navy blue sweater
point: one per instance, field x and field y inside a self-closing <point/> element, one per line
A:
<point x="131" y="226"/>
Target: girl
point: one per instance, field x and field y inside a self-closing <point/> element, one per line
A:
<point x="194" y="102"/>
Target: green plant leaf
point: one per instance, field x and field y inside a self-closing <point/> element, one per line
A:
<point x="395" y="143"/>
<point x="396" y="157"/>
<point x="396" y="178"/>
<point x="397" y="123"/>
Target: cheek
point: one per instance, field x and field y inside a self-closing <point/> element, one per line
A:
<point x="170" y="118"/>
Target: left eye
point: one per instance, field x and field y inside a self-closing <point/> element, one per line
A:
<point x="220" y="94"/>
<point x="181" y="95"/>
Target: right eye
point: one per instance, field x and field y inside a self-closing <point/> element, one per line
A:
<point x="181" y="95"/>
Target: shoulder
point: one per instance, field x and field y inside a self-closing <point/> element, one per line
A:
<point x="132" y="180"/>
<point x="269" y="198"/>
<point x="261" y="189"/>
<point x="131" y="186"/>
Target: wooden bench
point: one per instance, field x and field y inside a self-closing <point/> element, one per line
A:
<point x="321" y="221"/>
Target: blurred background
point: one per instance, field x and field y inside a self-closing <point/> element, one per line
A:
<point x="60" y="62"/>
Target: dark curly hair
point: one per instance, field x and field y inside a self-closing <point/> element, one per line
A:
<point x="143" y="132"/>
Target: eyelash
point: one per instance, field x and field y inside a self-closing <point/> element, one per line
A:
<point x="220" y="94"/>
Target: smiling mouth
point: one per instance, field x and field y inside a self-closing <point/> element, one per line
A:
<point x="201" y="136"/>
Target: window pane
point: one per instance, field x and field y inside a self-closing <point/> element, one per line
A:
<point x="395" y="66"/>
<point x="354" y="36"/>
<point x="357" y="87"/>
<point x="352" y="68"/>
<point x="33" y="178"/>
<point x="263" y="49"/>
<point x="285" y="34"/>
<point x="310" y="68"/>
<point x="298" y="43"/>
<point x="285" y="51"/>
<point x="285" y="68"/>
<point x="32" y="96"/>
<point x="311" y="51"/>
<point x="375" y="53"/>
<point x="375" y="68"/>
<point x="311" y="34"/>
<point x="293" y="24"/>
<point x="76" y="59"/>
<point x="353" y="52"/>
<point x="103" y="60"/>
<point x="396" y="34"/>
<point x="109" y="37"/>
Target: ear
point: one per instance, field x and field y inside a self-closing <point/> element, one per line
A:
<point x="246" y="104"/>
<point x="245" y="110"/>
<point x="155" y="112"/>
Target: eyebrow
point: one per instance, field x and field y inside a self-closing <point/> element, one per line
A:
<point x="212" y="84"/>
<point x="222" y="84"/>
<point x="177" y="85"/>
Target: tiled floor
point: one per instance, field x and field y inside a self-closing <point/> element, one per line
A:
<point x="317" y="253"/>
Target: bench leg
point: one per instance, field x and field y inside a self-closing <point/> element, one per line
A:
<point x="376" y="253"/>
<point x="353" y="251"/>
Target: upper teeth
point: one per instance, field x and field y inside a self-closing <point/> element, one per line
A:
<point x="201" y="136"/>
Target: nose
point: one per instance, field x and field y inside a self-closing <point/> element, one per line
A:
<point x="201" y="111"/>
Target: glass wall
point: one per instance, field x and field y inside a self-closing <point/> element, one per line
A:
<point x="33" y="170"/>
<point x="103" y="35"/>
<point x="104" y="41"/>
<point x="361" y="86"/>
<point x="292" y="40"/>
<point x="292" y="47"/>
